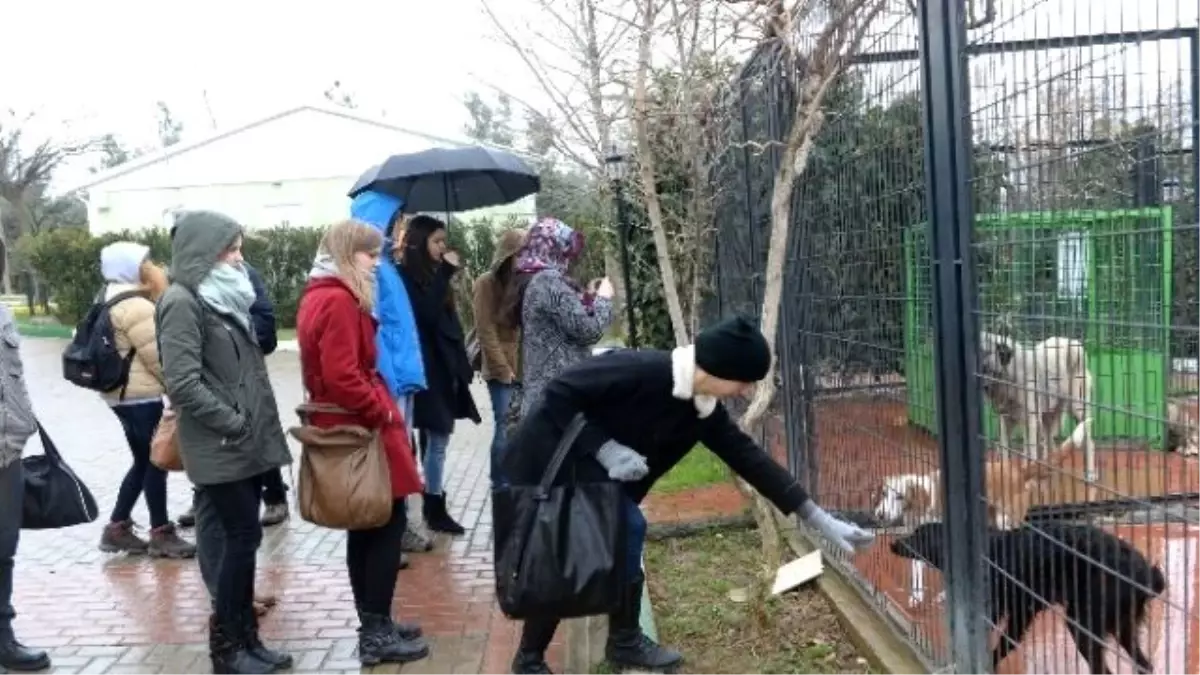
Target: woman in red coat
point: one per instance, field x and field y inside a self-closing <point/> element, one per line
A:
<point x="335" y="329"/>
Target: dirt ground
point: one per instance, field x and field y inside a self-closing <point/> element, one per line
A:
<point x="693" y="584"/>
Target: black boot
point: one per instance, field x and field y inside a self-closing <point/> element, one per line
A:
<point x="15" y="656"/>
<point x="536" y="635"/>
<point x="433" y="507"/>
<point x="380" y="642"/>
<point x="229" y="651"/>
<point x="628" y="646"/>
<point x="277" y="660"/>
<point x="405" y="630"/>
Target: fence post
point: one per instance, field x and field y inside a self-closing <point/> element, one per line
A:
<point x="948" y="159"/>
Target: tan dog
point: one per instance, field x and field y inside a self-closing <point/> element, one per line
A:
<point x="1035" y="387"/>
<point x="1009" y="485"/>
<point x="1183" y="425"/>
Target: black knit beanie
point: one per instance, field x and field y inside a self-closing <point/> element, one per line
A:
<point x="733" y="349"/>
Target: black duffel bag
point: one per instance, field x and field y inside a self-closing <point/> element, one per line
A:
<point x="54" y="496"/>
<point x="559" y="548"/>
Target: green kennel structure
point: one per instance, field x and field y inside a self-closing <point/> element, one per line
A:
<point x="1100" y="276"/>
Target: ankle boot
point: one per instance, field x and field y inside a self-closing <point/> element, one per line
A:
<point x="16" y="657"/>
<point x="254" y="645"/>
<point x="433" y="507"/>
<point x="379" y="642"/>
<point x="230" y="653"/>
<point x="536" y="635"/>
<point x="628" y="646"/>
<point x="405" y="630"/>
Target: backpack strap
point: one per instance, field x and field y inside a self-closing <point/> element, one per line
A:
<point x="113" y="302"/>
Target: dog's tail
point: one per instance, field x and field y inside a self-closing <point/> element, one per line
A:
<point x="1080" y="439"/>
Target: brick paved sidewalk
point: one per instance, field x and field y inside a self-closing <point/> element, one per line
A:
<point x="98" y="613"/>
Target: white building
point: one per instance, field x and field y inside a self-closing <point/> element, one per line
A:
<point x="292" y="168"/>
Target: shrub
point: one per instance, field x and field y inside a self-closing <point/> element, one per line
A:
<point x="67" y="261"/>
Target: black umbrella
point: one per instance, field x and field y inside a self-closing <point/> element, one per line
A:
<point x="451" y="179"/>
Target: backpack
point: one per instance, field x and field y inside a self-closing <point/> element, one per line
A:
<point x="92" y="360"/>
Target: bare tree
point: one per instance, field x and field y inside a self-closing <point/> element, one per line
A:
<point x="648" y="173"/>
<point x="815" y="39"/>
<point x="584" y="35"/>
<point x="25" y="170"/>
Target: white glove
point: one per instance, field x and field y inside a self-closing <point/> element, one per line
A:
<point x="847" y="536"/>
<point x="623" y="463"/>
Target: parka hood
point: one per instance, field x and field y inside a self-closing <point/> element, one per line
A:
<point x="199" y="239"/>
<point x="375" y="209"/>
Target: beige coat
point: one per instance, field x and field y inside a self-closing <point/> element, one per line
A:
<point x="499" y="343"/>
<point x="133" y="328"/>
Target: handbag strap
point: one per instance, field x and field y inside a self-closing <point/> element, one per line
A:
<point x="560" y="454"/>
<point x="48" y="447"/>
<point x="309" y="407"/>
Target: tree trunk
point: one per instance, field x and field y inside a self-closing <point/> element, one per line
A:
<point x="648" y="176"/>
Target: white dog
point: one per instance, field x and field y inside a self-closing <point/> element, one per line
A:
<point x="1035" y="387"/>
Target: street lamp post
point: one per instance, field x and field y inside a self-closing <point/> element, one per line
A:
<point x="615" y="166"/>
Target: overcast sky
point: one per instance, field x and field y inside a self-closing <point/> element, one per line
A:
<point x="89" y="68"/>
<point x="101" y="66"/>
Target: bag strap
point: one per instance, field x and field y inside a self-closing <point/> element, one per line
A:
<point x="560" y="454"/>
<point x="48" y="447"/>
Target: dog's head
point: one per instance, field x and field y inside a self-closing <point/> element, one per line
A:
<point x="996" y="351"/>
<point x="926" y="543"/>
<point x="907" y="497"/>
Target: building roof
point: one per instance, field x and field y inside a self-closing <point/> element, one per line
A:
<point x="182" y="147"/>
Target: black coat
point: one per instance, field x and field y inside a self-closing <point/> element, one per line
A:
<point x="262" y="312"/>
<point x="448" y="372"/>
<point x="627" y="396"/>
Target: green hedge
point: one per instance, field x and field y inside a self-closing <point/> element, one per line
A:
<point x="68" y="262"/>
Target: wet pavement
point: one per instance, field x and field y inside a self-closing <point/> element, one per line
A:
<point x="99" y="613"/>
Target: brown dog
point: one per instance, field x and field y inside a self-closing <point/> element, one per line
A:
<point x="1009" y="485"/>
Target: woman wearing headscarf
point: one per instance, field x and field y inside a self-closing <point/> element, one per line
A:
<point x="229" y="430"/>
<point x="560" y="321"/>
<point x="644" y="411"/>
<point x="499" y="339"/>
<point x="335" y="328"/>
<point x="429" y="266"/>
<point x="132" y="284"/>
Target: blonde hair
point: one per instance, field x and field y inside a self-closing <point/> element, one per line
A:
<point x="154" y="278"/>
<point x="344" y="240"/>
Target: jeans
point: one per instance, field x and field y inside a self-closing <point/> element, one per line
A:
<point x="274" y="489"/>
<point x="210" y="541"/>
<point x="235" y="530"/>
<point x="139" y="421"/>
<point x="501" y="394"/>
<point x="635" y="538"/>
<point x="435" y="461"/>
<point x="12" y="495"/>
<point x="372" y="557"/>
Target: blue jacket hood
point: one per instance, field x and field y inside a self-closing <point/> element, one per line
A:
<point x="375" y="209"/>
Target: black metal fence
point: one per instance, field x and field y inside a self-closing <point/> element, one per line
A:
<point x="989" y="333"/>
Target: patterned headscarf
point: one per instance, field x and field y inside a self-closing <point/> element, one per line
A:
<point x="551" y="244"/>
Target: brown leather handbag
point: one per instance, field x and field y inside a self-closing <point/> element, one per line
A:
<point x="344" y="482"/>
<point x="164" y="446"/>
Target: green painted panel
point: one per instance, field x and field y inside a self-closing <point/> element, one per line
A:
<point x="1122" y="316"/>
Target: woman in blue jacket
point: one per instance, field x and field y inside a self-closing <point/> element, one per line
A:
<point x="399" y="347"/>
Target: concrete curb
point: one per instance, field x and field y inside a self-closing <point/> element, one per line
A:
<point x="585" y="637"/>
<point x="871" y="634"/>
